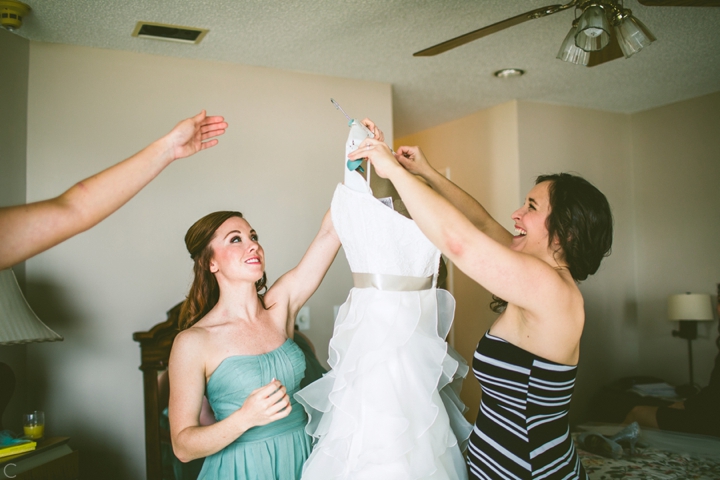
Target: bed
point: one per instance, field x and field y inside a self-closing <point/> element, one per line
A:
<point x="660" y="455"/>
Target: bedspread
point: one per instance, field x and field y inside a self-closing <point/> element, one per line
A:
<point x="659" y="456"/>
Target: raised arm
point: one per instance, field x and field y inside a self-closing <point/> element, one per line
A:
<point x="518" y="278"/>
<point x="191" y="440"/>
<point x="26" y="230"/>
<point x="415" y="162"/>
<point x="298" y="285"/>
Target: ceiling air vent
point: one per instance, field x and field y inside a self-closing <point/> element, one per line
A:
<point x="171" y="33"/>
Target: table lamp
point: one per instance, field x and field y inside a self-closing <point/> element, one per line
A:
<point x="688" y="309"/>
<point x="18" y="325"/>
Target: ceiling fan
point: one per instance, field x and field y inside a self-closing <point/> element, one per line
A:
<point x="604" y="30"/>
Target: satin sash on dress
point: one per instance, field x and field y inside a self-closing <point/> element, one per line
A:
<point x="392" y="283"/>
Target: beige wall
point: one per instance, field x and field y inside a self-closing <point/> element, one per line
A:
<point x="278" y="163"/>
<point x="676" y="152"/>
<point x="14" y="61"/>
<point x="480" y="154"/>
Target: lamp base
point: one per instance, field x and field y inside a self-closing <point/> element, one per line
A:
<point x="687" y="390"/>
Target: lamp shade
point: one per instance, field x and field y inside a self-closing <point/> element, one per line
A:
<point x="18" y="323"/>
<point x="690" y="306"/>
<point x="569" y="52"/>
<point x="633" y="35"/>
<point x="593" y="32"/>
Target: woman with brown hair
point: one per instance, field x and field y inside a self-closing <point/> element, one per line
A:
<point x="236" y="347"/>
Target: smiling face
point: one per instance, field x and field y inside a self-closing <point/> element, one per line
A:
<point x="237" y="255"/>
<point x="530" y="223"/>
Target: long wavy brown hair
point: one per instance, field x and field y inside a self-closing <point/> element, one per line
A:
<point x="204" y="291"/>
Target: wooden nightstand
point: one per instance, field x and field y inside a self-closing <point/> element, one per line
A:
<point x="52" y="459"/>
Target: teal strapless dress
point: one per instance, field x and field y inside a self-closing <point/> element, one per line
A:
<point x="275" y="451"/>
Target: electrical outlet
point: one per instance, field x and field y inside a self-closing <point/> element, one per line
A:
<point x="303" y="318"/>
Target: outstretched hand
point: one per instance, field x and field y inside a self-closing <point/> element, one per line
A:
<point x="194" y="134"/>
<point x="267" y="404"/>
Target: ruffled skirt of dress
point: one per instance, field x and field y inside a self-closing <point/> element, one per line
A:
<point x="390" y="406"/>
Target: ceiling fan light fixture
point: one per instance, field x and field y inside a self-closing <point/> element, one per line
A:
<point x="593" y="31"/>
<point x="569" y="52"/>
<point x="632" y="35"/>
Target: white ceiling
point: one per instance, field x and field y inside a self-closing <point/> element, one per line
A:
<point x="375" y="40"/>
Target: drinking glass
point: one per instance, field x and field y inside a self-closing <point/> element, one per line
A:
<point x="34" y="425"/>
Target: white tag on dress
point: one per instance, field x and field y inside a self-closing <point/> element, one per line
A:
<point x="387" y="201"/>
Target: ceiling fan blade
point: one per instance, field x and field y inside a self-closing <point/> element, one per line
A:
<point x="495" y="27"/>
<point x="610" y="52"/>
<point x="680" y="3"/>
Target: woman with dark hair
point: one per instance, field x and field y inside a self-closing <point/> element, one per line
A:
<point x="236" y="347"/>
<point x="527" y="362"/>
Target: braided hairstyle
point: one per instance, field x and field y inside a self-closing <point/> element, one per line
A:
<point x="204" y="291"/>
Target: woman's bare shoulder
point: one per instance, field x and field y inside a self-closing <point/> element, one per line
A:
<point x="193" y="338"/>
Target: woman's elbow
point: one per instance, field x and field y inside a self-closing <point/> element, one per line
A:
<point x="181" y="451"/>
<point x="182" y="454"/>
<point x="454" y="245"/>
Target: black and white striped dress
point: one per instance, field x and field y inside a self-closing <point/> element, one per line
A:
<point x="522" y="429"/>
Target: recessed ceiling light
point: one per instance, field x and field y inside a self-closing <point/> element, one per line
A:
<point x="509" y="72"/>
<point x="171" y="33"/>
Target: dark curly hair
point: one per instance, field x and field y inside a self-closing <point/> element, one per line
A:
<point x="204" y="292"/>
<point x="581" y="221"/>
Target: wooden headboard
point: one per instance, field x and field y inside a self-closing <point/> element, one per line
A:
<point x="155" y="347"/>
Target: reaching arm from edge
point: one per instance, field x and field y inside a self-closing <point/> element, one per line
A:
<point x="298" y="285"/>
<point x="191" y="440"/>
<point x="521" y="279"/>
<point x="26" y="230"/>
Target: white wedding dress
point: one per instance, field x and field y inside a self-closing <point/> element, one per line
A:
<point x="389" y="408"/>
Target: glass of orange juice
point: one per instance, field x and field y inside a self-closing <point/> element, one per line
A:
<point x="34" y="425"/>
